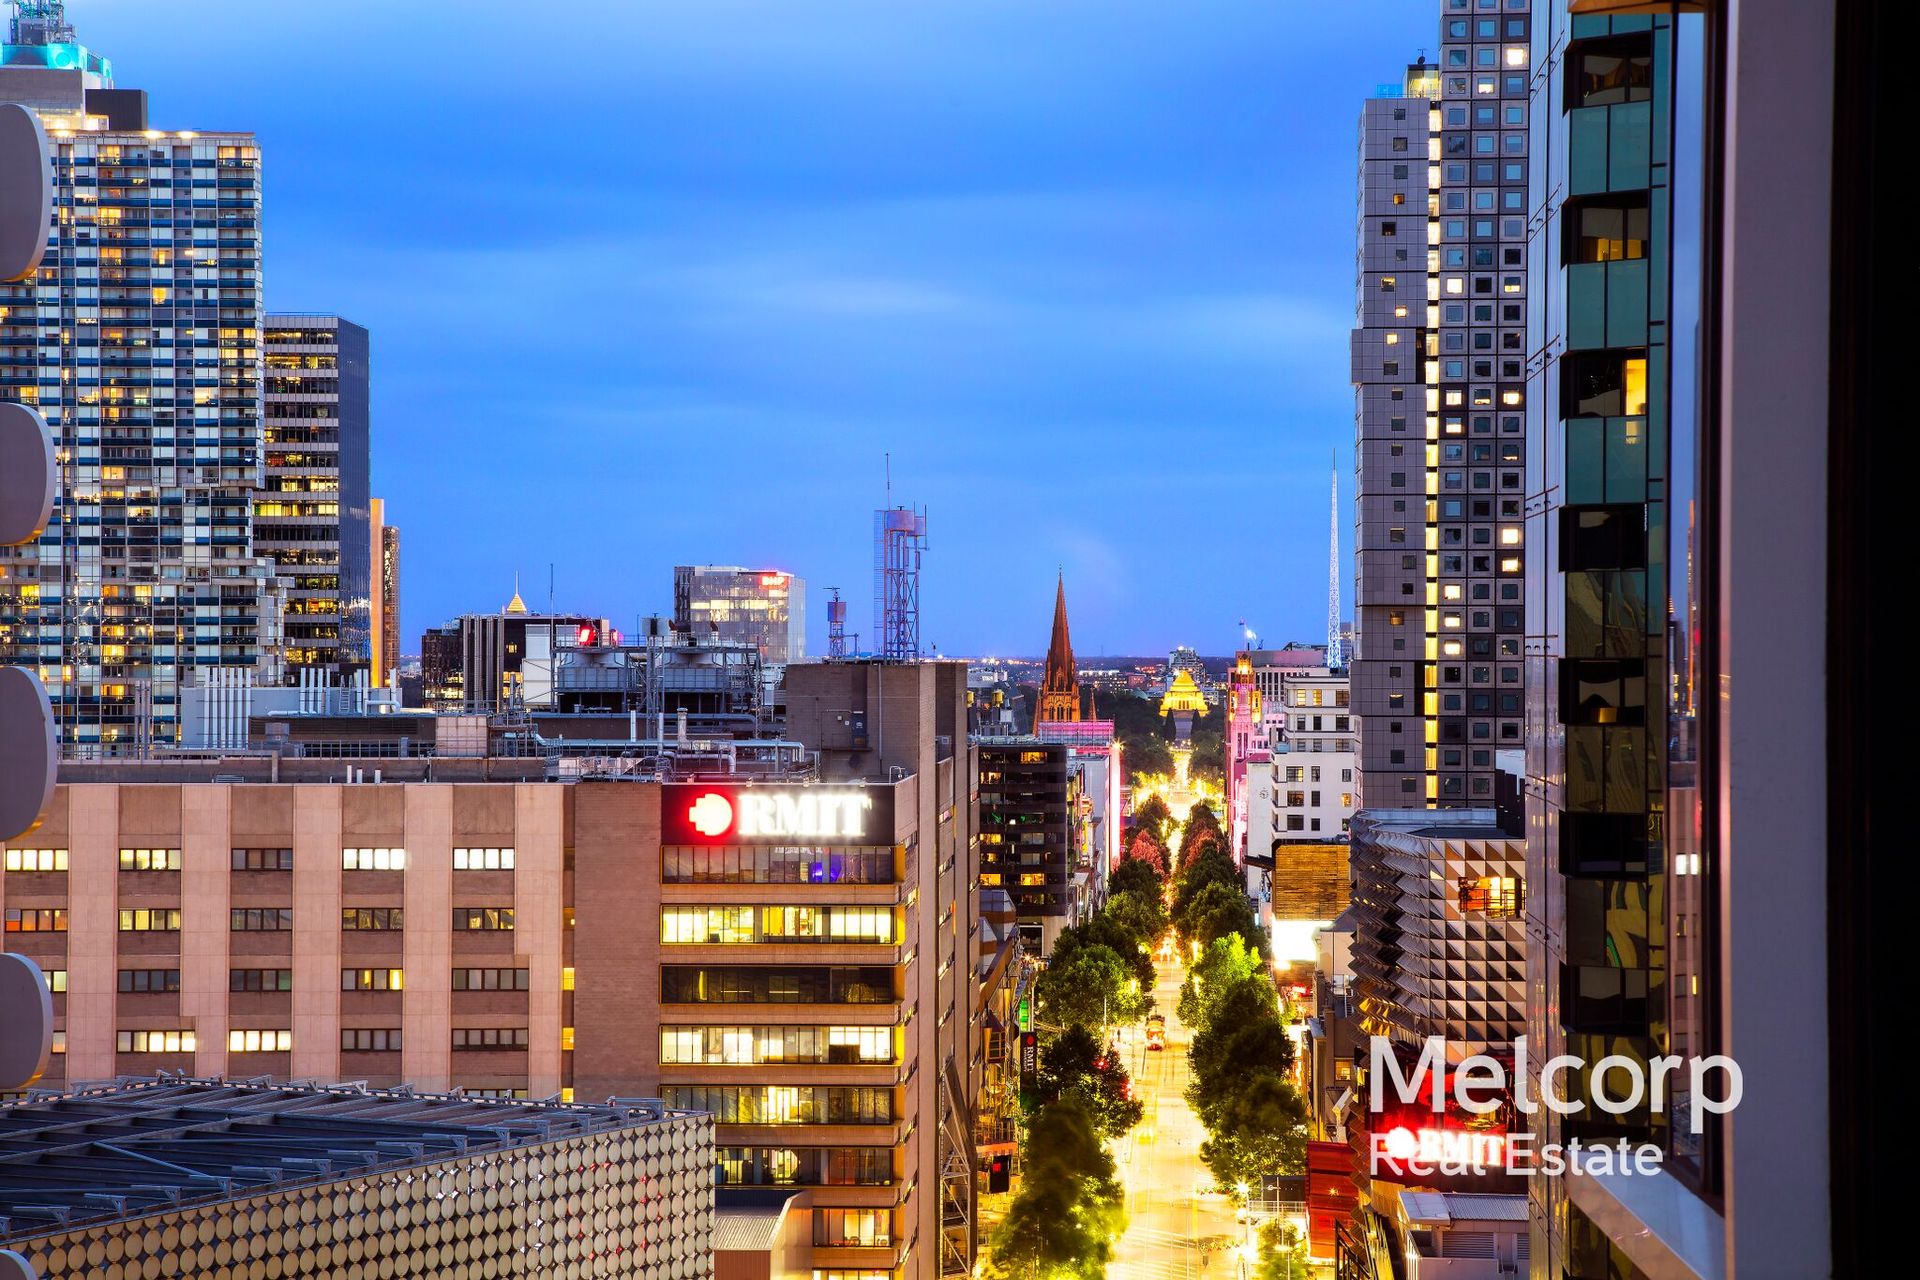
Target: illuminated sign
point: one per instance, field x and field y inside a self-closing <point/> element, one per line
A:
<point x="691" y="813"/>
<point x="1475" y="1148"/>
<point x="773" y="580"/>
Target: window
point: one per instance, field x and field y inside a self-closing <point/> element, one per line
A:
<point x="1596" y="538"/>
<point x="489" y="1037"/>
<point x="489" y="979"/>
<point x="148" y="981"/>
<point x="370" y="1040"/>
<point x="56" y="980"/>
<point x="483" y="859"/>
<point x="748" y="1045"/>
<point x="1602" y="73"/>
<point x="483" y="919"/>
<point x="150" y="920"/>
<point x="784" y="1104"/>
<point x="852" y="1228"/>
<point x="356" y="919"/>
<point x="262" y="919"/>
<point x="149" y="859"/>
<point x="155" y="1042"/>
<point x="373" y="859"/>
<point x="1497" y="897"/>
<point x="777" y="865"/>
<point x="723" y="984"/>
<point x="1607" y="230"/>
<point x="255" y="1041"/>
<point x="259" y="980"/>
<point x="263" y="859"/>
<point x="371" y="980"/>
<point x="1606" y="384"/>
<point x="1603" y="691"/>
<point x="36" y="859"/>
<point x="36" y="919"/>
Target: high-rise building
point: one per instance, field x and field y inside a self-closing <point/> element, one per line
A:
<point x="1026" y="832"/>
<point x="765" y="608"/>
<point x="312" y="516"/>
<point x="139" y="342"/>
<point x="1711" y="419"/>
<point x="1438" y="361"/>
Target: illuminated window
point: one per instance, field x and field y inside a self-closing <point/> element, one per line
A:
<point x="259" y="1041"/>
<point x="149" y="859"/>
<point x="155" y="1042"/>
<point x="150" y="920"/>
<point x="36" y="859"/>
<point x="483" y="919"/>
<point x="483" y="859"/>
<point x="373" y="859"/>
<point x="372" y="980"/>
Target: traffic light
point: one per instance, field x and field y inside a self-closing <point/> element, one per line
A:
<point x="999" y="1174"/>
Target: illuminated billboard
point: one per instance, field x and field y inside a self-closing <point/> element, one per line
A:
<point x="724" y="814"/>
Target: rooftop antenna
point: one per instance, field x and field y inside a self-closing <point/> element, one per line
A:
<point x="1336" y="651"/>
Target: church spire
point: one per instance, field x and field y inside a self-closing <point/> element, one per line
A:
<point x="1060" y="683"/>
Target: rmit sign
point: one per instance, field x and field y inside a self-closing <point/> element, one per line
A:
<point x="691" y="813"/>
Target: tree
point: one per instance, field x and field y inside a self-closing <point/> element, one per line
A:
<point x="1227" y="1057"/>
<point x="1257" y="1129"/>
<point x="1153" y="816"/>
<point x="1141" y="915"/>
<point x="1217" y="911"/>
<point x="1147" y="848"/>
<point x="1200" y="818"/>
<point x="1221" y="967"/>
<point x="1075" y="1066"/>
<point x="1210" y="866"/>
<point x="1069" y="1206"/>
<point x="1090" y="986"/>
<point x="1106" y="930"/>
<point x="1136" y="875"/>
<point x="1282" y="1251"/>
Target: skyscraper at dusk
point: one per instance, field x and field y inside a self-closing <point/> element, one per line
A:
<point x="1438" y="367"/>
<point x="312" y="515"/>
<point x="139" y="342"/>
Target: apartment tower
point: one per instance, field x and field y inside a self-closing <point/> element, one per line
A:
<point x="139" y="342"/>
<point x="1438" y="356"/>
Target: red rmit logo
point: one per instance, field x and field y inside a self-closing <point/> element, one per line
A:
<point x="711" y="814"/>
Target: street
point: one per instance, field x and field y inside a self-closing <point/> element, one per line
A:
<point x="1159" y="1165"/>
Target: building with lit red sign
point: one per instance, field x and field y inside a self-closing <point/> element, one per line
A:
<point x="729" y="604"/>
<point x="782" y="933"/>
<point x="491" y="651"/>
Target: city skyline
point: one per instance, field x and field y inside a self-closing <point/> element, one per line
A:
<point x="1102" y="229"/>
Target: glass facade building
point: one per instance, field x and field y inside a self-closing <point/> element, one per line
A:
<point x="311" y="516"/>
<point x="728" y="604"/>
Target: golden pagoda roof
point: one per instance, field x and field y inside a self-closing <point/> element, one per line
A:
<point x="1183" y="695"/>
<point x="516" y="605"/>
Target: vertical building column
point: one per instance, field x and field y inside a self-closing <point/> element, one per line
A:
<point x="317" y="814"/>
<point x="206" y="896"/>
<point x="93" y="877"/>
<point x="427" y="1054"/>
<point x="539" y="821"/>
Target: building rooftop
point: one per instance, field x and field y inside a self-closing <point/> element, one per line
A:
<point x="138" y="1146"/>
<point x="1444" y="1208"/>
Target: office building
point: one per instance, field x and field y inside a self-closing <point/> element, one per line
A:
<point x="209" y="1178"/>
<point x="1438" y="367"/>
<point x="475" y="662"/>
<point x="765" y="608"/>
<point x="1438" y="943"/>
<point x="311" y="515"/>
<point x="139" y="342"/>
<point x="480" y="934"/>
<point x="1715" y="397"/>
<point x="1027" y="844"/>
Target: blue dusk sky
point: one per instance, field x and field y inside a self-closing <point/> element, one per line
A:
<point x="653" y="283"/>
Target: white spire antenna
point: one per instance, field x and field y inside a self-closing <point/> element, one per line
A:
<point x="1336" y="651"/>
